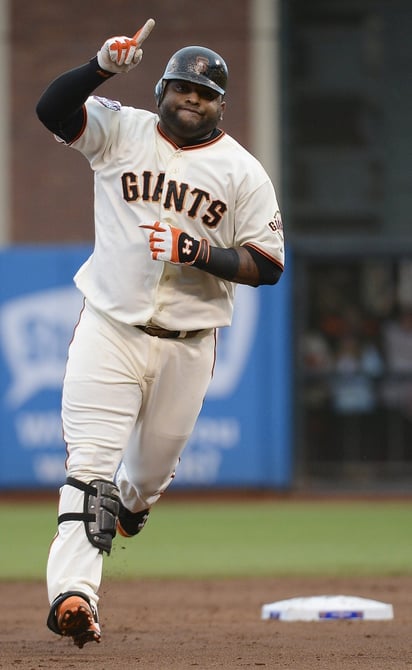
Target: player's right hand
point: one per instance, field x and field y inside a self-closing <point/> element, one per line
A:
<point x="122" y="54"/>
<point x="168" y="243"/>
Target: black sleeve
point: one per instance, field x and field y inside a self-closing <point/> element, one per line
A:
<point x="269" y="272"/>
<point x="224" y="263"/>
<point x="60" y="108"/>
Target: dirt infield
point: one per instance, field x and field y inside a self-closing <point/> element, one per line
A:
<point x="181" y="625"/>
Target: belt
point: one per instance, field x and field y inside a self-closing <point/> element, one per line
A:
<point x="155" y="331"/>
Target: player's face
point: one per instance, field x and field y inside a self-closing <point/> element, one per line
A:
<point x="189" y="111"/>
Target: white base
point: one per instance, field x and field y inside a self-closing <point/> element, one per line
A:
<point x="327" y="608"/>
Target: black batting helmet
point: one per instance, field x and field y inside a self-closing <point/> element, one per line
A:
<point x="199" y="65"/>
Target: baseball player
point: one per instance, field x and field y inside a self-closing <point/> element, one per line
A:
<point x="183" y="213"/>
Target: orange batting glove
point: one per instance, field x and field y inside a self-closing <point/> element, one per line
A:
<point x="168" y="243"/>
<point x="122" y="54"/>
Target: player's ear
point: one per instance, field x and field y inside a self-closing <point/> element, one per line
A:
<point x="222" y="109"/>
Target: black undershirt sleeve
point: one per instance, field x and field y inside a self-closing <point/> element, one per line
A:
<point x="60" y="107"/>
<point x="224" y="263"/>
<point x="269" y="272"/>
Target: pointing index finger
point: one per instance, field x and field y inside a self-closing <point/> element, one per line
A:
<point x="143" y="32"/>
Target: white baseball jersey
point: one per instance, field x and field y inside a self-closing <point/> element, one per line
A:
<point x="216" y="190"/>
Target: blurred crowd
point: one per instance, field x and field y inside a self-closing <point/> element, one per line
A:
<point x="357" y="360"/>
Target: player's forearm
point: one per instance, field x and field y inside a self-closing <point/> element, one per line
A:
<point x="238" y="265"/>
<point x="63" y="99"/>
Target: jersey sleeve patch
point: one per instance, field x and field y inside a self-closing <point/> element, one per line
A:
<point x="110" y="104"/>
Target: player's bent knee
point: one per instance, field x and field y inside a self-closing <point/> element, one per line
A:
<point x="100" y="511"/>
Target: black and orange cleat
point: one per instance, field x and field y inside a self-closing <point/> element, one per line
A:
<point x="73" y="616"/>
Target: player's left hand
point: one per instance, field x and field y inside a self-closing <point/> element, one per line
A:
<point x="121" y="54"/>
<point x="168" y="243"/>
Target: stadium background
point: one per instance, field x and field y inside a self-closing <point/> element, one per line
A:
<point x="297" y="481"/>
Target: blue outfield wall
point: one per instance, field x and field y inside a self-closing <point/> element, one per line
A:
<point x="243" y="437"/>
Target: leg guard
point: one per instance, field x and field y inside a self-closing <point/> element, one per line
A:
<point x="100" y="511"/>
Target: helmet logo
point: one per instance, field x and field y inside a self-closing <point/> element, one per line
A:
<point x="201" y="65"/>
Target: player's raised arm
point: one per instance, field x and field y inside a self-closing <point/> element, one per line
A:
<point x="60" y="107"/>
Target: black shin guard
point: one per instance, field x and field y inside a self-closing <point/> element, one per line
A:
<point x="100" y="511"/>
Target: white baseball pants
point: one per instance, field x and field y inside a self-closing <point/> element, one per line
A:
<point x="130" y="403"/>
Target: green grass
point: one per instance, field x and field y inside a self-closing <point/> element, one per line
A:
<point x="208" y="539"/>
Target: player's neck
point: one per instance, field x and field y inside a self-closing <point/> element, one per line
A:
<point x="185" y="142"/>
